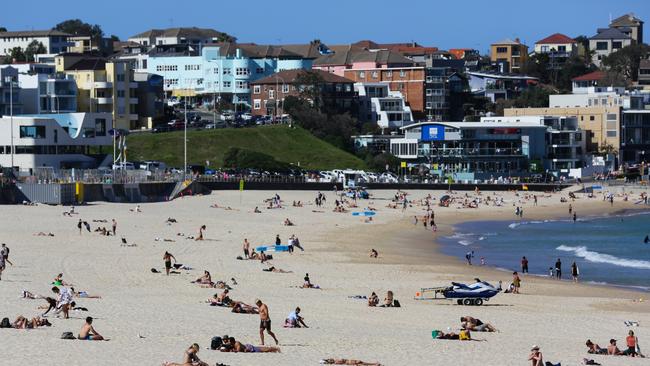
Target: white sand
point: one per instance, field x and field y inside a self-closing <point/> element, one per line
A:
<point x="170" y="313"/>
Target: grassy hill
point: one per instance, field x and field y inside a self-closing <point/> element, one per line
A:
<point x="289" y="145"/>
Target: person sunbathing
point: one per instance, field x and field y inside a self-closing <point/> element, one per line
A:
<point x="40" y="233"/>
<point x="473" y="324"/>
<point x="463" y="335"/>
<point x="373" y="300"/>
<point x="88" y="332"/>
<point x="388" y="300"/>
<point x="58" y="281"/>
<point x="344" y="361"/>
<point x="249" y="348"/>
<point x="276" y="270"/>
<point x="373" y="253"/>
<point x="241" y="308"/>
<point x="224" y="298"/>
<point x="612" y="349"/>
<point x="190" y="358"/>
<point x="257" y="210"/>
<point x="593" y="348"/>
<point x="83" y="294"/>
<point x="23" y="323"/>
<point x="206" y="279"/>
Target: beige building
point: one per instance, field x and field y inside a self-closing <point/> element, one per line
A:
<point x="510" y="54"/>
<point x="601" y="122"/>
<point x="103" y="86"/>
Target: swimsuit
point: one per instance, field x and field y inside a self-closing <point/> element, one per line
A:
<point x="265" y="324"/>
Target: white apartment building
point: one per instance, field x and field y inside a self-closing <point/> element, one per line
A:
<point x="53" y="140"/>
<point x="377" y="103"/>
<point x="192" y="36"/>
<point x="54" y="41"/>
<point x="39" y="89"/>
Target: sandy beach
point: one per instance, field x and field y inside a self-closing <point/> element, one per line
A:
<point x="151" y="318"/>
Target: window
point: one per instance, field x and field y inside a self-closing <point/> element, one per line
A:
<point x="611" y="116"/>
<point x="242" y="71"/>
<point x="216" y="70"/>
<point x="389" y="74"/>
<point x="120" y="77"/>
<point x="120" y="93"/>
<point x="362" y="74"/>
<point x="611" y="133"/>
<point x="561" y="48"/>
<point x="100" y="127"/>
<point x="32" y="132"/>
<point x="592" y="118"/>
<point x="429" y="105"/>
<point x="144" y="64"/>
<point x="402" y="73"/>
<point x="227" y="84"/>
<point x="617" y="45"/>
<point x="257" y="104"/>
<point x="241" y="84"/>
<point x="602" y="46"/>
<point x="374" y="74"/>
<point x="271" y="93"/>
<point x="259" y="70"/>
<point x="544" y="49"/>
<point x="285" y="88"/>
<point x="256" y="89"/>
<point x="429" y="92"/>
<point x="502" y="49"/>
<point x="429" y="79"/>
<point x="227" y="71"/>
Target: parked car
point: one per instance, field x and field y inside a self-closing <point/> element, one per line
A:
<point x="388" y="177"/>
<point x="124" y="166"/>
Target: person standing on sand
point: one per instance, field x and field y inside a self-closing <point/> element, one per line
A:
<point x="114" y="227"/>
<point x="516" y="283"/>
<point x="524" y="265"/>
<point x="265" y="321"/>
<point x="574" y="271"/>
<point x="558" y="269"/>
<point x="80" y="226"/>
<point x="246" y="248"/>
<point x="167" y="257"/>
<point x="570" y="209"/>
<point x="200" y="237"/>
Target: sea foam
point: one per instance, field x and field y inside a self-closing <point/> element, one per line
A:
<point x="596" y="257"/>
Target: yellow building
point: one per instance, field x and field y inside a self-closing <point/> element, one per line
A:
<point x="103" y="86"/>
<point x="509" y="55"/>
<point x="600" y="122"/>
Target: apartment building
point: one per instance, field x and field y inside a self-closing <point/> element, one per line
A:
<point x="495" y="85"/>
<point x="607" y="41"/>
<point x="379" y="104"/>
<point x="508" y="55"/>
<point x="644" y="73"/>
<point x="408" y="81"/>
<point x="630" y="25"/>
<point x="53" y="41"/>
<point x="268" y="94"/>
<point x="103" y="86"/>
<point x="445" y="85"/>
<point x="192" y="36"/>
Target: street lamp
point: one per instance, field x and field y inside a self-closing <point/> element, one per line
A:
<point x="277" y="96"/>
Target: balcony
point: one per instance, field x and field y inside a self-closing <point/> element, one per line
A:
<point x="133" y="85"/>
<point x="102" y="85"/>
<point x="104" y="100"/>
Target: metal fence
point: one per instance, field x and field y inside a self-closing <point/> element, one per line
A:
<point x="104" y="176"/>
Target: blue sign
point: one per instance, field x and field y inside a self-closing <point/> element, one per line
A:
<point x="433" y="133"/>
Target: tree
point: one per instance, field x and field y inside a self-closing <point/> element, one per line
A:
<point x="310" y="85"/>
<point x="3" y="29"/>
<point x="78" y="28"/>
<point x="574" y="66"/>
<point x="17" y="55"/>
<point x="626" y="60"/>
<point x="115" y="38"/>
<point x="33" y="49"/>
<point x="538" y="66"/>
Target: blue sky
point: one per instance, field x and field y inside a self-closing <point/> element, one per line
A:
<point x="445" y="24"/>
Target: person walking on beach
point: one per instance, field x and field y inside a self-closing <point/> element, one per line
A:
<point x="535" y="198"/>
<point x="246" y="248"/>
<point x="80" y="226"/>
<point x="114" y="227"/>
<point x="200" y="237"/>
<point x="278" y="241"/>
<point x="524" y="265"/>
<point x="468" y="257"/>
<point x="265" y="321"/>
<point x="558" y="269"/>
<point x="167" y="257"/>
<point x="516" y="282"/>
<point x="570" y="209"/>
<point x="574" y="271"/>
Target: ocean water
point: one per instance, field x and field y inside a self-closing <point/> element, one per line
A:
<point x="608" y="250"/>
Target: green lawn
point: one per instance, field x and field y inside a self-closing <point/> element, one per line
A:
<point x="289" y="145"/>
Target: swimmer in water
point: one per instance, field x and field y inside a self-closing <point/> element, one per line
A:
<point x="646" y="240"/>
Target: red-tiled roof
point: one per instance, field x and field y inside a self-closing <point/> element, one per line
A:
<point x="592" y="76"/>
<point x="289" y="76"/>
<point x="557" y="38"/>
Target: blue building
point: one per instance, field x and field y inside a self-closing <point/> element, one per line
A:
<point x="223" y="70"/>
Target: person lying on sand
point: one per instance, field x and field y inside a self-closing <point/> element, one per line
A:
<point x="165" y="240"/>
<point x="83" y="294"/>
<point x="58" y="281"/>
<point x="249" y="348"/>
<point x="257" y="210"/>
<point x="373" y="253"/>
<point x="275" y="270"/>
<point x="171" y="220"/>
<point x="30" y="295"/>
<point x="344" y="361"/>
<point x="224" y="298"/>
<point x="23" y="323"/>
<point x="242" y="308"/>
<point x="190" y="358"/>
<point x="40" y="233"/>
<point x="476" y="325"/>
<point x="464" y="335"/>
<point x="88" y="332"/>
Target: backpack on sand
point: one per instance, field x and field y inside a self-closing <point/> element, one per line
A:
<point x="5" y="323"/>
<point x="68" y="335"/>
